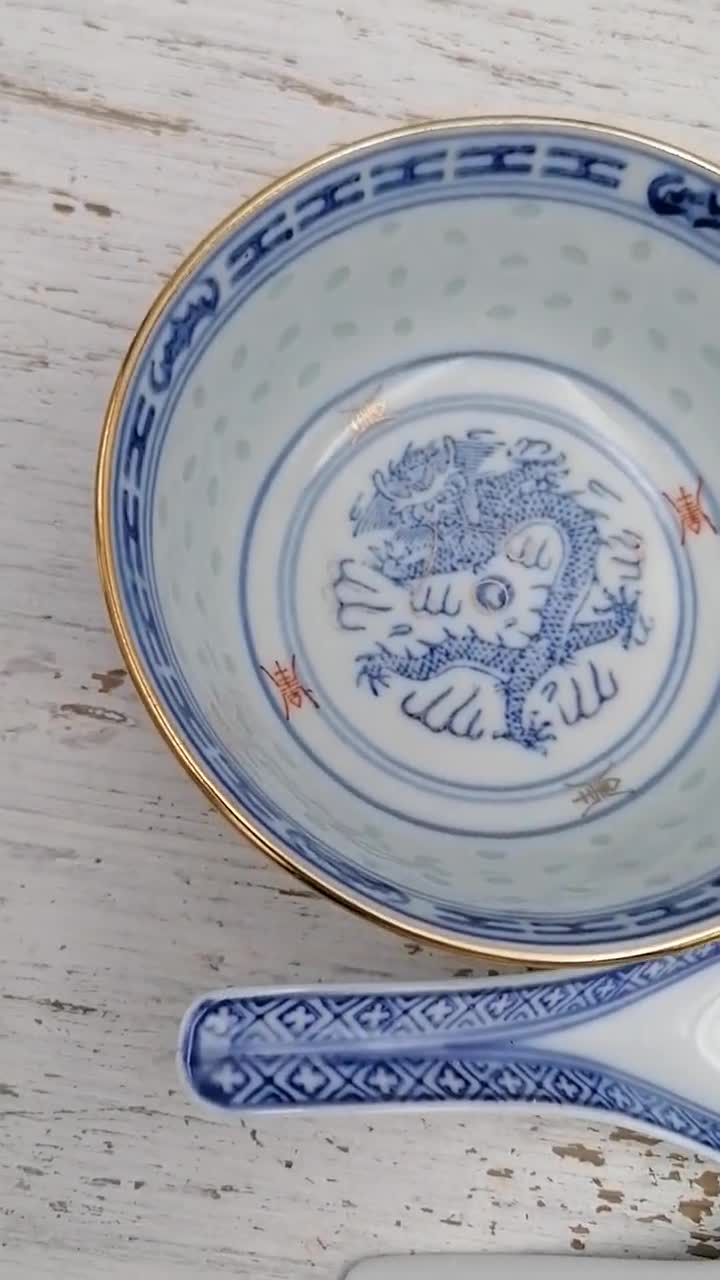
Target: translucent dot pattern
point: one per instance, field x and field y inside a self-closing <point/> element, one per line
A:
<point x="640" y="250"/>
<point x="403" y="324"/>
<point x="288" y="337"/>
<point x="345" y="329"/>
<point x="527" y="209"/>
<point x="309" y="374"/>
<point x="514" y="261"/>
<point x="681" y="398"/>
<point x="501" y="311"/>
<point x="281" y="285"/>
<point x="557" y="301"/>
<point x="575" y="254"/>
<point x="337" y="278"/>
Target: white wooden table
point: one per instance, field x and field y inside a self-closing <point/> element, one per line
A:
<point x="128" y="127"/>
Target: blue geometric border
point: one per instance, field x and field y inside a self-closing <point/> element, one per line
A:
<point x="544" y="163"/>
<point x="316" y="1048"/>
<point x="525" y="1077"/>
<point x="322" y="1019"/>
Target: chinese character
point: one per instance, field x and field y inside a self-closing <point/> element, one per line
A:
<point x="689" y="510"/>
<point x="596" y="790"/>
<point x="369" y="413"/>
<point x="287" y="683"/>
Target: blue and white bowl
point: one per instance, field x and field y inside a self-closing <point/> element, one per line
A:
<point x="408" y="522"/>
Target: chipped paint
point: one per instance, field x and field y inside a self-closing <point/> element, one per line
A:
<point x="93" y="712"/>
<point x="578" y="1151"/>
<point x="102" y="210"/>
<point x="703" y="1249"/>
<point x="695" y="1210"/>
<point x="708" y="1182"/>
<point x="621" y="1134"/>
<point x="318" y="93"/>
<point x="89" y="108"/>
<point x="110" y="680"/>
<point x="612" y="1197"/>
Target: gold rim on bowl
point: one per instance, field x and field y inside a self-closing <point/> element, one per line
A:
<point x="533" y="956"/>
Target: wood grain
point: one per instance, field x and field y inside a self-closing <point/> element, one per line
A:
<point x="127" y="131"/>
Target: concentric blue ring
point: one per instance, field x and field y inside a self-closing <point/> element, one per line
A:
<point x="287" y="580"/>
<point x="133" y="469"/>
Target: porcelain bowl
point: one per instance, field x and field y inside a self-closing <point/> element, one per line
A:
<point x="407" y="509"/>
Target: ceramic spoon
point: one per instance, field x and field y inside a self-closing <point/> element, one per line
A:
<point x="640" y="1041"/>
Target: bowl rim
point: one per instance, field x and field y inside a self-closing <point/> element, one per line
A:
<point x="480" y="949"/>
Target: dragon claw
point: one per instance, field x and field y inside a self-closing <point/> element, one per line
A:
<point x="625" y="611"/>
<point x="372" y="669"/>
<point x="537" y="734"/>
<point x="533" y="736"/>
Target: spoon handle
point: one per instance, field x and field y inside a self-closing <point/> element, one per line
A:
<point x="641" y="1041"/>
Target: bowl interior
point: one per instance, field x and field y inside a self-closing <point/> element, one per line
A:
<point x="412" y="510"/>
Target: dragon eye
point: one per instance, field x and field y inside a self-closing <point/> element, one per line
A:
<point x="494" y="594"/>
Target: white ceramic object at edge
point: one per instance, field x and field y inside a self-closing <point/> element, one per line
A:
<point x="408" y="518"/>
<point x="469" y="1266"/>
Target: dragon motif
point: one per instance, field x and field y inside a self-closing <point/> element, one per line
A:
<point x="456" y="531"/>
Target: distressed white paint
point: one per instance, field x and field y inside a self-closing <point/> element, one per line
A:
<point x="125" y="135"/>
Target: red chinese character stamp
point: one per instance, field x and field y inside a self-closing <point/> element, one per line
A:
<point x="290" y="687"/>
<point x="688" y="507"/>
